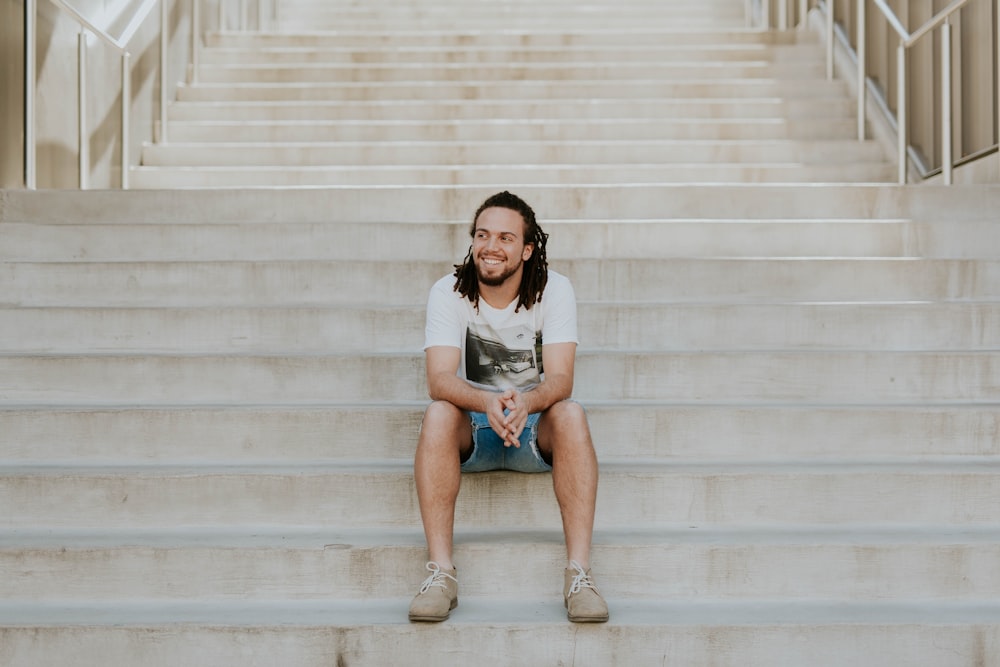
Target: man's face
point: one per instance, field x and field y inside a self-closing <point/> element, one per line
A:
<point x="498" y="247"/>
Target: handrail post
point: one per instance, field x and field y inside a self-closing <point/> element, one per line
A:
<point x="782" y="14"/>
<point x="161" y="137"/>
<point x="195" y="39"/>
<point x="862" y="69"/>
<point x="803" y="14"/>
<point x="901" y="110"/>
<point x="29" y="94"/>
<point x="829" y="39"/>
<point x="82" y="140"/>
<point x="946" y="148"/>
<point x="126" y="110"/>
<point x="765" y="14"/>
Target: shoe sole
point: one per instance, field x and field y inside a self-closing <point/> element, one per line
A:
<point x="589" y="619"/>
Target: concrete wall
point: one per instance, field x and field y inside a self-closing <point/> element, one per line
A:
<point x="57" y="101"/>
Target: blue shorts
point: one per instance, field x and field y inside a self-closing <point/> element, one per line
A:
<point x="489" y="452"/>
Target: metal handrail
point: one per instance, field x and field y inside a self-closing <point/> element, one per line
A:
<point x="906" y="40"/>
<point x="121" y="45"/>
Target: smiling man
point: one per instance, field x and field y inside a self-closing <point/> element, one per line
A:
<point x="500" y="361"/>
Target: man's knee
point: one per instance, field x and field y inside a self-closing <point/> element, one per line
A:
<point x="567" y="414"/>
<point x="444" y="425"/>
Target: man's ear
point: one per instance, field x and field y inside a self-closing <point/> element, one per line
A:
<point x="529" y="249"/>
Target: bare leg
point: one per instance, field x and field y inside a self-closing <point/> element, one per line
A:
<point x="444" y="434"/>
<point x="563" y="434"/>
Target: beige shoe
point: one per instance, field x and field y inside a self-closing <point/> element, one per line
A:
<point x="437" y="597"/>
<point x="584" y="603"/>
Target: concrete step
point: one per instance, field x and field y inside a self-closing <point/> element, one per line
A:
<point x="236" y="175"/>
<point x="372" y="283"/>
<point x="390" y="155"/>
<point x="522" y="38"/>
<point x="540" y="129"/>
<point x="428" y="109"/>
<point x="795" y="377"/>
<point x="679" y="432"/>
<point x="441" y="241"/>
<point x="329" y="73"/>
<point x="638" y="89"/>
<point x="607" y="326"/>
<point x="489" y="632"/>
<point x="325" y="496"/>
<point x="604" y="202"/>
<point x="259" y="563"/>
<point x="514" y="52"/>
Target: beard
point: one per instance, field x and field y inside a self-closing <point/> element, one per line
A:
<point x="498" y="279"/>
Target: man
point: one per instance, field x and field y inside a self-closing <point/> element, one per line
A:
<point x="496" y="405"/>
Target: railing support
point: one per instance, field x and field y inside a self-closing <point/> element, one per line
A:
<point x="862" y="69"/>
<point x="196" y="39"/>
<point x="126" y="112"/>
<point x="83" y="134"/>
<point x="946" y="149"/>
<point x="829" y="39"/>
<point x="30" y="76"/>
<point x="901" y="110"/>
<point x="161" y="136"/>
<point x="803" y="14"/>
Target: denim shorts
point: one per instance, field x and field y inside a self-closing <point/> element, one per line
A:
<point x="489" y="453"/>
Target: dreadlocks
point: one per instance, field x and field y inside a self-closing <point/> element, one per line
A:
<point x="536" y="267"/>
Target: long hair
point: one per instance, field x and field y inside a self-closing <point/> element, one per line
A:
<point x="536" y="267"/>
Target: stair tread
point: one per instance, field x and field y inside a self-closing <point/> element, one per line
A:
<point x="539" y="613"/>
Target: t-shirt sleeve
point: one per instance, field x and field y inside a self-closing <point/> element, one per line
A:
<point x="559" y="301"/>
<point x="445" y="325"/>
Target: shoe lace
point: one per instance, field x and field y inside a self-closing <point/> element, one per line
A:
<point x="581" y="580"/>
<point x="437" y="578"/>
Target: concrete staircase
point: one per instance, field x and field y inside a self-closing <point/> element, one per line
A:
<point x="209" y="397"/>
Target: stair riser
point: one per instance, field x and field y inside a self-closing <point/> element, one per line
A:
<point x="23" y="242"/>
<point x="455" y="203"/>
<point x="441" y="242"/>
<point x="88" y="499"/>
<point x="297" y="435"/>
<point x="682" y="571"/>
<point x="197" y="176"/>
<point x="314" y="283"/>
<point x="699" y="154"/>
<point x="677" y="327"/>
<point x="460" y="72"/>
<point x="704" y="642"/>
<point x="612" y="89"/>
<point x="547" y="38"/>
<point x="841" y="378"/>
<point x="507" y="55"/>
<point x="537" y="108"/>
<point x="516" y="131"/>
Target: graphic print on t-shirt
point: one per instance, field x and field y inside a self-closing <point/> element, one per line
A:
<point x="508" y="358"/>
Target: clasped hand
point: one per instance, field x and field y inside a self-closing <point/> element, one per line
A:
<point x="507" y="414"/>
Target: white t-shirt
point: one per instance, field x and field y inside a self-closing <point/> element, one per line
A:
<point x="501" y="349"/>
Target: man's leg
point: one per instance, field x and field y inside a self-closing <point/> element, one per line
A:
<point x="437" y="470"/>
<point x="564" y="437"/>
<point x="444" y="435"/>
<point x="563" y="434"/>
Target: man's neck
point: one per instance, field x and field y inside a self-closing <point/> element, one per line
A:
<point x="501" y="296"/>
